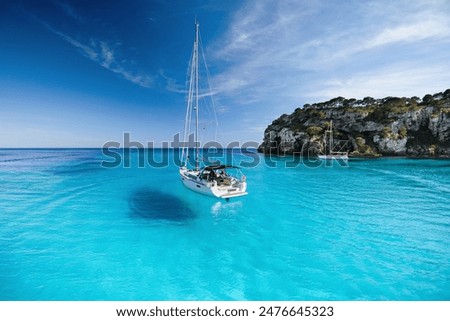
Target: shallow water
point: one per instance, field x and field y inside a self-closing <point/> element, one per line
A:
<point x="73" y="230"/>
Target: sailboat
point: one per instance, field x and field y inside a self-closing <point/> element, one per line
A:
<point x="215" y="180"/>
<point x="336" y="155"/>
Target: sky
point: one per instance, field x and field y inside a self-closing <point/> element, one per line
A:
<point x="82" y="73"/>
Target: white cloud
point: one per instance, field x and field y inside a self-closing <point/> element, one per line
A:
<point x="70" y="11"/>
<point x="413" y="28"/>
<point x="104" y="54"/>
<point x="428" y="27"/>
<point x="107" y="55"/>
<point x="403" y="81"/>
<point x="87" y="51"/>
<point x="281" y="51"/>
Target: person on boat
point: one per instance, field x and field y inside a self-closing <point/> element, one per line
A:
<point x="210" y="176"/>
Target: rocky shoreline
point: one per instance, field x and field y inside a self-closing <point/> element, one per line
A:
<point x="407" y="127"/>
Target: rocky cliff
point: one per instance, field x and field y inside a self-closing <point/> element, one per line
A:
<point x="369" y="127"/>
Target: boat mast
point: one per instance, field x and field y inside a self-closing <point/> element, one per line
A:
<point x="196" y="92"/>
<point x="331" y="137"/>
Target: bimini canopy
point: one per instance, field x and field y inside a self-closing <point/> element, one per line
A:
<point x="216" y="167"/>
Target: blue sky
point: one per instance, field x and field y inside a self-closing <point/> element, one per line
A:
<point x="81" y="73"/>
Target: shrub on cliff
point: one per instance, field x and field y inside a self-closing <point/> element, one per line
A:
<point x="314" y="130"/>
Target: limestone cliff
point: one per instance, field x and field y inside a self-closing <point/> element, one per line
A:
<point x="369" y="127"/>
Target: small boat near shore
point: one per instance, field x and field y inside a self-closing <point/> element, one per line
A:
<point x="329" y="152"/>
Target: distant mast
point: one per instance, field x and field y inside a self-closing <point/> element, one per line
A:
<point x="329" y="152"/>
<point x="330" y="132"/>
<point x="196" y="93"/>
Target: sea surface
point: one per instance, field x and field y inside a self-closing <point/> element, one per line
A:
<point x="71" y="229"/>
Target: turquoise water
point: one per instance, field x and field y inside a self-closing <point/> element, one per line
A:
<point x="72" y="230"/>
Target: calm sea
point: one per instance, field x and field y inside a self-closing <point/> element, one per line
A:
<point x="71" y="229"/>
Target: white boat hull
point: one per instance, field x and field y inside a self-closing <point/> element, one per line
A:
<point x="333" y="157"/>
<point x="198" y="185"/>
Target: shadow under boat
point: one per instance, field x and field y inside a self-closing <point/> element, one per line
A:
<point x="155" y="205"/>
